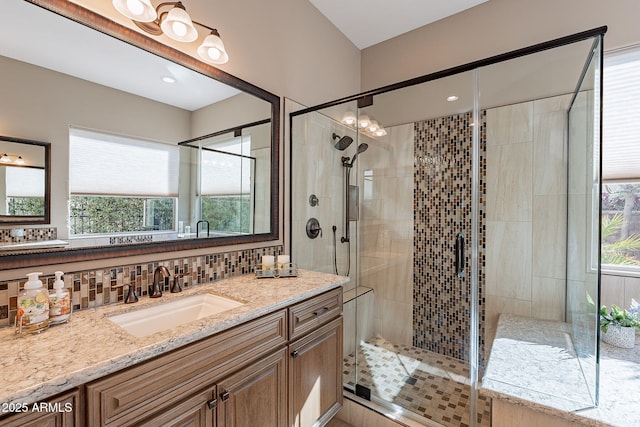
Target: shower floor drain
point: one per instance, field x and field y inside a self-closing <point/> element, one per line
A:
<point x="410" y="380"/>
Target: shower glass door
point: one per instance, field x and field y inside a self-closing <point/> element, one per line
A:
<point x="414" y="248"/>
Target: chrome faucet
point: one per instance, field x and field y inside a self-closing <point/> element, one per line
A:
<point x="198" y="227"/>
<point x="160" y="275"/>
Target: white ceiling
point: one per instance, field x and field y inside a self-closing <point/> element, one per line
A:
<point x="368" y="22"/>
<point x="59" y="44"/>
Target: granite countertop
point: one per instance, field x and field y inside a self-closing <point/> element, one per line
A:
<point x="533" y="364"/>
<point x="90" y="346"/>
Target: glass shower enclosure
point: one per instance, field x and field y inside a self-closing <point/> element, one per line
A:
<point x="454" y="201"/>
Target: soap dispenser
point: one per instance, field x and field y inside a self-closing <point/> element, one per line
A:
<point x="33" y="307"/>
<point x="59" y="301"/>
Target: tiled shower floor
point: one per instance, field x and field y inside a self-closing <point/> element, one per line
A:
<point x="426" y="383"/>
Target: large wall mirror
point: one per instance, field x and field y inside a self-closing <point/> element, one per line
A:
<point x="24" y="181"/>
<point x="152" y="150"/>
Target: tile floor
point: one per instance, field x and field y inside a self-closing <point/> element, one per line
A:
<point x="428" y="384"/>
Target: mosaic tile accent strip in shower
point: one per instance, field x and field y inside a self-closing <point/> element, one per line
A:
<point x="95" y="288"/>
<point x="442" y="209"/>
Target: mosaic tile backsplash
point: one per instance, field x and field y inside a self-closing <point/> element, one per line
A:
<point x="94" y="288"/>
<point x="442" y="209"/>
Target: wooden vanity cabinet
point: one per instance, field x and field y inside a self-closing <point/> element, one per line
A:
<point x="64" y="410"/>
<point x="131" y="396"/>
<point x="281" y="370"/>
<point x="315" y="364"/>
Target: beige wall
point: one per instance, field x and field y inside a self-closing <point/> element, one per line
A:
<point x="284" y="46"/>
<point x="492" y="28"/>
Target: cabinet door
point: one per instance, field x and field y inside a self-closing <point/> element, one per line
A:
<point x="61" y="411"/>
<point x="315" y="376"/>
<point x="256" y="395"/>
<point x="196" y="411"/>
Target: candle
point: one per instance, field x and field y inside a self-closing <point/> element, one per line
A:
<point x="283" y="261"/>
<point x="268" y="262"/>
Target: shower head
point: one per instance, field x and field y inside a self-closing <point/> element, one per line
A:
<point x="343" y="142"/>
<point x="361" y="149"/>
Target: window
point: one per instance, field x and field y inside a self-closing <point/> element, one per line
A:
<point x="621" y="160"/>
<point x="225" y="185"/>
<point x="24" y="190"/>
<point x="110" y="186"/>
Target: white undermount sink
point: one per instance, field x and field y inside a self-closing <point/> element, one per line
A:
<point x="147" y="321"/>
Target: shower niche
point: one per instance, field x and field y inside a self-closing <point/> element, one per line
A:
<point x="469" y="205"/>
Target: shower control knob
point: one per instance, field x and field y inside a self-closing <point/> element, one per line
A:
<point x="313" y="200"/>
<point x="313" y="228"/>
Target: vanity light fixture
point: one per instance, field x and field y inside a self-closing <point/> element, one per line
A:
<point x="171" y="19"/>
<point x="11" y="158"/>
<point x="365" y="125"/>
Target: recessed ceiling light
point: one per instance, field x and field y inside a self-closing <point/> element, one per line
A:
<point x="452" y="98"/>
<point x="168" y="79"/>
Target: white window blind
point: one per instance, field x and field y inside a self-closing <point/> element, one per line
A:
<point x="621" y="115"/>
<point x="104" y="164"/>
<point x="226" y="174"/>
<point x="24" y="182"/>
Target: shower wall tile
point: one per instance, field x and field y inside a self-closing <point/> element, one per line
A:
<point x="442" y="208"/>
<point x="396" y="326"/>
<point x="549" y="154"/>
<point x="509" y="249"/>
<point x="526" y="232"/>
<point x="509" y="181"/>
<point x="511" y="124"/>
<point x="548" y="298"/>
<point x="550" y="236"/>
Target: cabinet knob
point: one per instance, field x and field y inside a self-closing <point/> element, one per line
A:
<point x="294" y="353"/>
<point x="321" y="311"/>
<point x="224" y="396"/>
<point x="212" y="403"/>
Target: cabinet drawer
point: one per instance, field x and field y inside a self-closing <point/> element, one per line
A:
<point x="125" y="397"/>
<point x="309" y="314"/>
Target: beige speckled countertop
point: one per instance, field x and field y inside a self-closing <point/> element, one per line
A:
<point x="91" y="346"/>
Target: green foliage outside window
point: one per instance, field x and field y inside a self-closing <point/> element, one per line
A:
<point x="621" y="224"/>
<point x="25" y="206"/>
<point x="108" y="214"/>
<point x="227" y="214"/>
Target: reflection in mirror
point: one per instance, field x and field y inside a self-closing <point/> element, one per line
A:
<point x="24" y="181"/>
<point x="229" y="182"/>
<point x="89" y="87"/>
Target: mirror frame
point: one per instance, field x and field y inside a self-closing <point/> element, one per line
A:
<point x="104" y="25"/>
<point x="46" y="218"/>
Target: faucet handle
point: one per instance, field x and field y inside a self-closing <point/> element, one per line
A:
<point x="176" y="284"/>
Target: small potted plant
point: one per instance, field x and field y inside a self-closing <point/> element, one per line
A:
<point x="619" y="326"/>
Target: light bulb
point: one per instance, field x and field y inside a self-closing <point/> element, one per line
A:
<point x="138" y="10"/>
<point x="373" y="126"/>
<point x="364" y="121"/>
<point x="5" y="158"/>
<point x="214" y="53"/>
<point x="179" y="28"/>
<point x="349" y="118"/>
<point x="212" y="49"/>
<point x="19" y="161"/>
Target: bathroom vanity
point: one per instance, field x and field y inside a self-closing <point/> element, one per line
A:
<point x="276" y="358"/>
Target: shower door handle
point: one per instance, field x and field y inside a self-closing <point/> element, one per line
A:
<point x="459" y="254"/>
